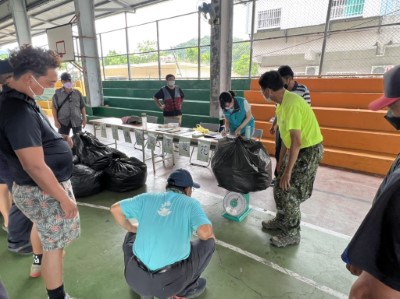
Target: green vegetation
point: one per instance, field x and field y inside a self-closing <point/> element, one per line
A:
<point x="186" y="52"/>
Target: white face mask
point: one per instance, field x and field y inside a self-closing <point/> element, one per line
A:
<point x="47" y="93"/>
<point x="171" y="83"/>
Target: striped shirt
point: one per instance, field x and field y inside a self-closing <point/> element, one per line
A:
<point x="302" y="91"/>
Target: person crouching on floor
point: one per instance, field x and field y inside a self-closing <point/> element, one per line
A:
<point x="160" y="258"/>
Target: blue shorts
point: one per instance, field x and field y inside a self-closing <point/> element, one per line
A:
<point x="5" y="173"/>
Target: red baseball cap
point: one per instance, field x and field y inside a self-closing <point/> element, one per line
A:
<point x="391" y="82"/>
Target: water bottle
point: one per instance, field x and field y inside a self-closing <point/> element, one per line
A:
<point x="144" y="121"/>
<point x="247" y="133"/>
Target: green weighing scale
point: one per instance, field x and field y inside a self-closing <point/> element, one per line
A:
<point x="236" y="206"/>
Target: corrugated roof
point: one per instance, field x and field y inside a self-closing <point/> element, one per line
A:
<point x="44" y="14"/>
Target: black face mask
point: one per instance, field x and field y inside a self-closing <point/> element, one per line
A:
<point x="393" y="120"/>
<point x="286" y="86"/>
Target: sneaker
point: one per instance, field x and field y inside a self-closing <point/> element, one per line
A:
<point x="273" y="224"/>
<point x="36" y="271"/>
<point x="197" y="289"/>
<point x="23" y="250"/>
<point x="284" y="239"/>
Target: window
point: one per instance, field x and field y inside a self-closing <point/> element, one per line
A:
<point x="346" y="8"/>
<point x="270" y="18"/>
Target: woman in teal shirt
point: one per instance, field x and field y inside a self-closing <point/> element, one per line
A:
<point x="237" y="112"/>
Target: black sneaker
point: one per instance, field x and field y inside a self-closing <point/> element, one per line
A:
<point x="198" y="289"/>
<point x="23" y="250"/>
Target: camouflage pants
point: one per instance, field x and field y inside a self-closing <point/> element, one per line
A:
<point x="301" y="186"/>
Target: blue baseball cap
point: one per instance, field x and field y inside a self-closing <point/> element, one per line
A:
<point x="182" y="178"/>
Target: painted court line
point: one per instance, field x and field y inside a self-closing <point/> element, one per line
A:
<point x="309" y="225"/>
<point x="288" y="272"/>
<point x="259" y="259"/>
<point x="305" y="224"/>
<point x="93" y="206"/>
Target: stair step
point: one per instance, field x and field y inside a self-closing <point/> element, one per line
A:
<point x="363" y="85"/>
<point x="374" y="163"/>
<point x="357" y="119"/>
<point x="325" y="99"/>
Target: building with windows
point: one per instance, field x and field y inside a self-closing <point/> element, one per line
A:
<point x="363" y="36"/>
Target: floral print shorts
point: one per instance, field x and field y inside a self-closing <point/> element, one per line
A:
<point x="55" y="231"/>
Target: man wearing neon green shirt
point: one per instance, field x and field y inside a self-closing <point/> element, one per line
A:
<point x="300" y="156"/>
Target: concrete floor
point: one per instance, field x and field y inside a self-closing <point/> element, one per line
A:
<point x="245" y="265"/>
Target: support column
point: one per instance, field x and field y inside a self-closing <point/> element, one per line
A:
<point x="221" y="52"/>
<point x="84" y="11"/>
<point x="21" y="21"/>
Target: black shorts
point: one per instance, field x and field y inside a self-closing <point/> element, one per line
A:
<point x="64" y="130"/>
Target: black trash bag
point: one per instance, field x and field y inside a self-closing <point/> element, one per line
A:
<point x="92" y="152"/>
<point x="86" y="181"/>
<point x="242" y="165"/>
<point x="125" y="174"/>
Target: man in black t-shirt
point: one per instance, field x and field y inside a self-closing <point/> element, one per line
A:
<point x="374" y="252"/>
<point x="40" y="161"/>
<point x="172" y="99"/>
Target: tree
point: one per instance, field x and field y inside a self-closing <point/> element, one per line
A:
<point x="114" y="58"/>
<point x="147" y="52"/>
<point x="241" y="66"/>
<point x="187" y="52"/>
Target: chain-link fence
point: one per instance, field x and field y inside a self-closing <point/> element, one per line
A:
<point x="316" y="38"/>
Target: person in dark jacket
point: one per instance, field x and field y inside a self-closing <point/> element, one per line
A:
<point x="373" y="254"/>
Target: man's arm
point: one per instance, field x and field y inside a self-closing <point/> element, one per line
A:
<point x="205" y="232"/>
<point x="282" y="154"/>
<point x="157" y="97"/>
<point x="272" y="130"/>
<point x="119" y="216"/>
<point x="83" y="109"/>
<point x="159" y="105"/>
<point x="295" y="136"/>
<point x="83" y="112"/>
<point x="32" y="161"/>
<point x="54" y="111"/>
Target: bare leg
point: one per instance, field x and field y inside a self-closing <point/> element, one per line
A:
<point x="35" y="241"/>
<point x="52" y="268"/>
<point x="5" y="203"/>
<point x="368" y="287"/>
